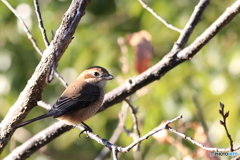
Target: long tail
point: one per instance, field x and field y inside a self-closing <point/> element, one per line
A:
<point x="32" y="120"/>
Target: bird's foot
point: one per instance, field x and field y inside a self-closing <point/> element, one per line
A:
<point x="86" y="129"/>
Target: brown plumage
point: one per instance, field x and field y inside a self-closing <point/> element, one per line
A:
<point x="80" y="100"/>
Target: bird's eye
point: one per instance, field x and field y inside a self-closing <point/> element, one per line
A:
<point x="96" y="74"/>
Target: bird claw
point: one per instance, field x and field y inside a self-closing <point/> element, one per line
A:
<point x="86" y="130"/>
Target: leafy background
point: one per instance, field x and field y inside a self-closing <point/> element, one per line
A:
<point x="211" y="76"/>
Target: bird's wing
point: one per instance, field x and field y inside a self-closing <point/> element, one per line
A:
<point x="75" y="99"/>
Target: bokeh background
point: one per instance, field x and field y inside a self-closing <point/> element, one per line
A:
<point x="212" y="76"/>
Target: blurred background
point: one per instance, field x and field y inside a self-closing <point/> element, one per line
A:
<point x="212" y="76"/>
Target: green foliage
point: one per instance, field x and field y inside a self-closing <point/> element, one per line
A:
<point x="212" y="75"/>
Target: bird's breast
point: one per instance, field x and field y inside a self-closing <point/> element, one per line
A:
<point x="75" y="118"/>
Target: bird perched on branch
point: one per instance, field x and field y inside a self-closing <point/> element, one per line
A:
<point x="80" y="100"/>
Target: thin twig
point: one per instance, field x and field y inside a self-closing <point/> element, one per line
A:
<point x="30" y="37"/>
<point x="36" y="142"/>
<point x="40" y="22"/>
<point x="122" y="117"/>
<point x="199" y="144"/>
<point x="191" y="24"/>
<point x="158" y="17"/>
<point x="224" y="123"/>
<point x="61" y="79"/>
<point x="45" y="39"/>
<point x="44" y="105"/>
<point x="133" y="111"/>
<point x="126" y="149"/>
<point x="114" y="153"/>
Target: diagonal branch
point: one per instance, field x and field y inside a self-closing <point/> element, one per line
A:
<point x="40" y="23"/>
<point x="201" y="145"/>
<point x="30" y="146"/>
<point x="28" y="32"/>
<point x="36" y="142"/>
<point x="33" y="90"/>
<point x="115" y="136"/>
<point x="191" y="24"/>
<point x="158" y="17"/>
<point x="171" y="60"/>
<point x="133" y="111"/>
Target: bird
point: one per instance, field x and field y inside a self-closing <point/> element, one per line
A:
<point x="80" y="100"/>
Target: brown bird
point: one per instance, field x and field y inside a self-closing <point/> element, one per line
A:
<point x="80" y="100"/>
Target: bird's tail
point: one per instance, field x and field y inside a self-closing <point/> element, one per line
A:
<point x="32" y="120"/>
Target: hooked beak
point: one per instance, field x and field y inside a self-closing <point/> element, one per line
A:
<point x="108" y="77"/>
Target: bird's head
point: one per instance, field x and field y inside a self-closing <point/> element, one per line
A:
<point x="96" y="75"/>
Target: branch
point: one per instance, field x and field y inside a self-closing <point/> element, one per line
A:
<point x="40" y="23"/>
<point x="50" y="133"/>
<point x="191" y="24"/>
<point x="33" y="90"/>
<point x="30" y="37"/>
<point x="29" y="34"/>
<point x="136" y="135"/>
<point x="158" y="17"/>
<point x="133" y="111"/>
<point x="171" y="60"/>
<point x="199" y="144"/>
<point x="33" y="144"/>
<point x="61" y="79"/>
<point x="119" y="129"/>
<point x="224" y="123"/>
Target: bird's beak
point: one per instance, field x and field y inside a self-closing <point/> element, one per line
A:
<point x="108" y="77"/>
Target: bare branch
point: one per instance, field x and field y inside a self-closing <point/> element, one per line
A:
<point x="61" y="79"/>
<point x="224" y="123"/>
<point x="210" y="32"/>
<point x="58" y="128"/>
<point x="33" y="90"/>
<point x="44" y="105"/>
<point x="134" y="116"/>
<point x="158" y="17"/>
<point x="136" y="135"/>
<point x="30" y="37"/>
<point x="114" y="153"/>
<point x="126" y="149"/>
<point x="40" y="22"/>
<point x="119" y="129"/>
<point x="199" y="144"/>
<point x="37" y="141"/>
<point x="191" y="24"/>
<point x="171" y="60"/>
